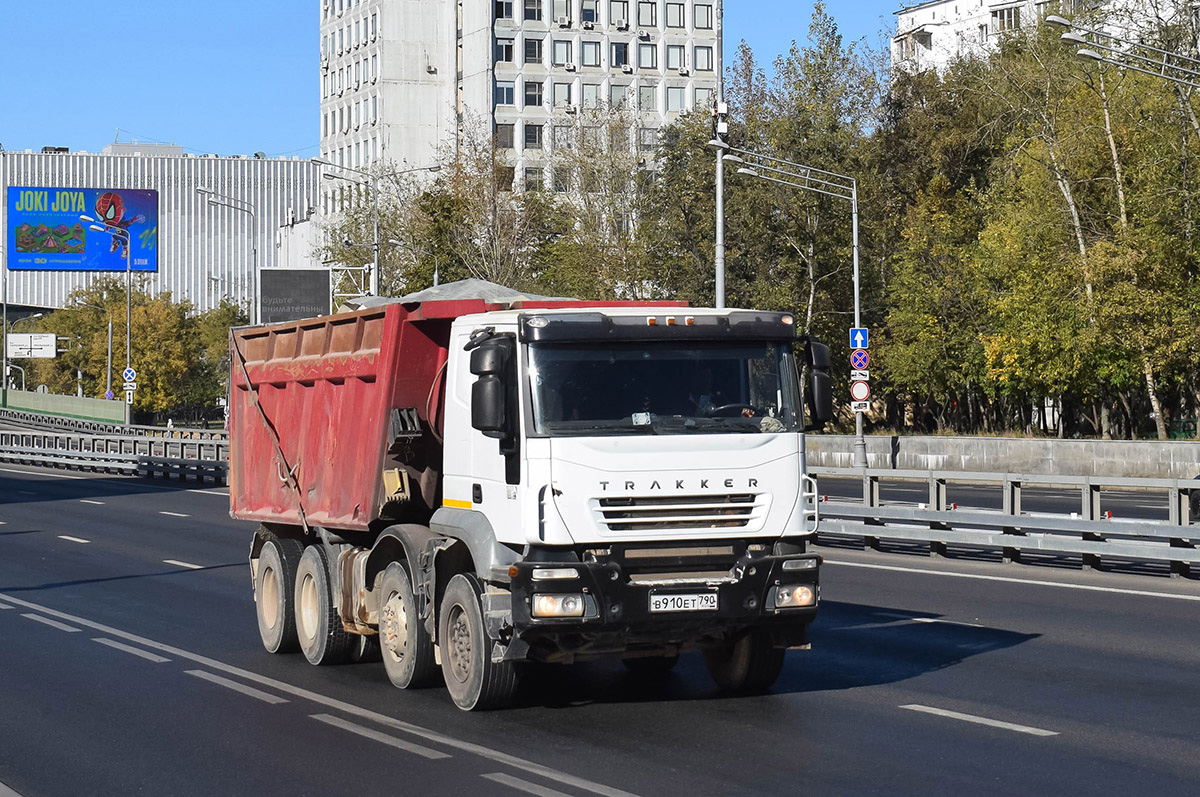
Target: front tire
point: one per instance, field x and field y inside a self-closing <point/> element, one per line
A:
<point x="404" y="641"/>
<point x="323" y="640"/>
<point x="747" y="664"/>
<point x="475" y="682"/>
<point x="274" y="594"/>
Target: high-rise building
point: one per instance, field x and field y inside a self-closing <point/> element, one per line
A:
<point x="399" y="78"/>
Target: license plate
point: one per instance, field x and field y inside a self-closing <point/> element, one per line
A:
<point x="698" y="602"/>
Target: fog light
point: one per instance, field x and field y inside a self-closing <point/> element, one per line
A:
<point x="800" y="564"/>
<point x="794" y="596"/>
<point x="549" y="573"/>
<point x="558" y="606"/>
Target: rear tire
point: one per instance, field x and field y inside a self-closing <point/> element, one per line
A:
<point x="275" y="594"/>
<point x="747" y="664"/>
<point x="474" y="681"/>
<point x="406" y="648"/>
<point x="323" y="640"/>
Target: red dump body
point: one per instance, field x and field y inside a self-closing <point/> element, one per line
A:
<point x="326" y="388"/>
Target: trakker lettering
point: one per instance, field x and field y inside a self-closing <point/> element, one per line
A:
<point x="682" y="484"/>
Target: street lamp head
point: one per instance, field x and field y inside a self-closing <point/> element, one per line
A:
<point x="86" y="218"/>
<point x="204" y="191"/>
<point x="748" y="172"/>
<point x="1055" y="19"/>
<point x="733" y="159"/>
<point x="97" y="228"/>
<point x="718" y="143"/>
<point x="1073" y="38"/>
<point x="1092" y="54"/>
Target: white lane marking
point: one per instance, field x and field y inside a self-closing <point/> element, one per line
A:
<point x="955" y="715"/>
<point x="7" y="792"/>
<point x="178" y="563"/>
<point x="257" y="694"/>
<point x="40" y="473"/>
<point x="909" y="617"/>
<point x="383" y="738"/>
<point x="27" y="492"/>
<point x="93" y="503"/>
<point x="2" y="523"/>
<point x="112" y="643"/>
<point x="4" y="606"/>
<point x="51" y="623"/>
<point x="174" y="514"/>
<point x="74" y="539"/>
<point x="523" y="785"/>
<point x="349" y="708"/>
<point x="1010" y="580"/>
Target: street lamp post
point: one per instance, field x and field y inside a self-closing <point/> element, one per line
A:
<point x="373" y="178"/>
<point x="123" y="235"/>
<point x="7" y="365"/>
<point x="838" y="186"/>
<point x="247" y="207"/>
<point x="1173" y="67"/>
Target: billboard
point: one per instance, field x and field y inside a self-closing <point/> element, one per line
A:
<point x="289" y="294"/>
<point x="46" y="233"/>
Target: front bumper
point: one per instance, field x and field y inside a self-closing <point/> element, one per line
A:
<point x="617" y="615"/>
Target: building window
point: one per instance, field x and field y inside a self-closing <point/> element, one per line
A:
<point x="562" y="53"/>
<point x="504" y="9"/>
<point x="703" y="58"/>
<point x="505" y="92"/>
<point x="1006" y="19"/>
<point x="375" y="108"/>
<point x="648" y="56"/>
<point x="533" y="93"/>
<point x="647" y="14"/>
<point x="703" y="17"/>
<point x="562" y="179"/>
<point x="504" y="136"/>
<point x="591" y="95"/>
<point x="620" y="55"/>
<point x="616" y="95"/>
<point x="533" y="136"/>
<point x="647" y="139"/>
<point x="374" y="67"/>
<point x="535" y="178"/>
<point x="533" y="51"/>
<point x="590" y="11"/>
<point x="674" y="56"/>
<point x="647" y="97"/>
<point x="533" y="10"/>
<point x="675" y="15"/>
<point x="618" y="12"/>
<point x="618" y="138"/>
<point x="562" y="95"/>
<point x="374" y="26"/>
<point x="675" y="98"/>
<point x="504" y="51"/>
<point x="562" y="10"/>
<point x="505" y="176"/>
<point x="590" y="52"/>
<point x="564" y="137"/>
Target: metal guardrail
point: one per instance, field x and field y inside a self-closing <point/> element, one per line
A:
<point x="1089" y="532"/>
<point x="37" y="420"/>
<point x="203" y="460"/>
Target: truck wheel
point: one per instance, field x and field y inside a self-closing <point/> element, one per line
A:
<point x="406" y="647"/>
<point x="323" y="640"/>
<point x="747" y="664"/>
<point x="475" y="682"/>
<point x="274" y="594"/>
<point x="364" y="648"/>
<point x="651" y="666"/>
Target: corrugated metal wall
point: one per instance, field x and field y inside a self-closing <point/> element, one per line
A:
<point x="205" y="252"/>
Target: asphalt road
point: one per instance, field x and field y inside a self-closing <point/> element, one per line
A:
<point x="130" y="662"/>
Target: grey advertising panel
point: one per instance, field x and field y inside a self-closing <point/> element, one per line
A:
<point x="288" y="294"/>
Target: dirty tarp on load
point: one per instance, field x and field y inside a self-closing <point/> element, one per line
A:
<point x="490" y="292"/>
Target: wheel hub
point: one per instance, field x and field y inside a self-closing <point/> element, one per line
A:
<point x="394" y="628"/>
<point x="460" y="645"/>
<point x="269" y="600"/>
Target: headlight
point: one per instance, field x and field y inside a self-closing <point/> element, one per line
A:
<point x="801" y="564"/>
<point x="548" y="573"/>
<point x="557" y="605"/>
<point x="794" y="596"/>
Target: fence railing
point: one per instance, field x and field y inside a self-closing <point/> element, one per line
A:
<point x="37" y="420"/>
<point x="1090" y="532"/>
<point x="203" y="460"/>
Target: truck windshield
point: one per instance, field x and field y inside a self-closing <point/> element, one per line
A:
<point x="668" y="387"/>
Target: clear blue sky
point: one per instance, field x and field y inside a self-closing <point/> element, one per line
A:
<point x="231" y="76"/>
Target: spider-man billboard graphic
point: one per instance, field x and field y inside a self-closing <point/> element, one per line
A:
<point x="49" y="229"/>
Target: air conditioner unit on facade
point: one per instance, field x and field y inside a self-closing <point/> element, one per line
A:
<point x="589" y="25"/>
<point x="571" y="109"/>
<point x="683" y="70"/>
<point x="627" y="68"/>
<point x="569" y="67"/>
<point x="622" y="24"/>
<point x="643" y="34"/>
<point x="564" y="22"/>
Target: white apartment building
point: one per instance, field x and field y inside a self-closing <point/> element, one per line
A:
<point x="399" y="77"/>
<point x="930" y="35"/>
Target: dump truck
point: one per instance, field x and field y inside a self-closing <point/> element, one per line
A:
<point x="467" y="480"/>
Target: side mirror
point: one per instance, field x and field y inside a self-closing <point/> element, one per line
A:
<point x="489" y="395"/>
<point x="820" y="394"/>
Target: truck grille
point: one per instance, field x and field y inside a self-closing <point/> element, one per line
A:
<point x="654" y="513"/>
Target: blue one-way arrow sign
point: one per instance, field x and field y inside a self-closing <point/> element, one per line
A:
<point x="859" y="338"/>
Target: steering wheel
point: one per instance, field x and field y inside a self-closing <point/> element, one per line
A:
<point x="716" y="412"/>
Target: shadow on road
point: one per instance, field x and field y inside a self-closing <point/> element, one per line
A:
<point x="175" y="571"/>
<point x="853" y="645"/>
